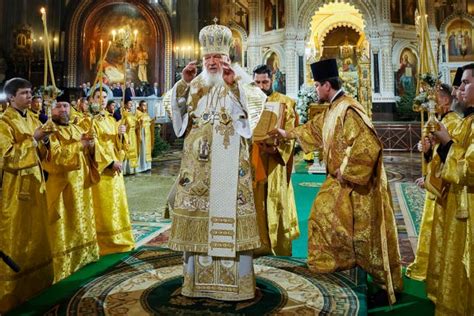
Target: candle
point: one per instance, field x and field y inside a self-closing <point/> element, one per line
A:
<point x="100" y="70"/>
<point x="45" y="81"/>
<point x="47" y="51"/>
<point x="135" y="34"/>
<point x="113" y="35"/>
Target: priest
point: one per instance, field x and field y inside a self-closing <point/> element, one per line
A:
<point x="273" y="162"/>
<point x="351" y="221"/>
<point x="72" y="172"/>
<point x="114" y="229"/>
<point x="214" y="220"/>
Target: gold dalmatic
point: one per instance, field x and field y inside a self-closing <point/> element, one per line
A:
<point x="23" y="213"/>
<point x="114" y="230"/>
<point x="273" y="190"/>
<point x="430" y="245"/>
<point x="353" y="223"/>
<point x="68" y="190"/>
<point x="454" y="294"/>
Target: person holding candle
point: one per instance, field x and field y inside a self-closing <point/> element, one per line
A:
<point x="146" y="137"/>
<point x="129" y="120"/>
<point x="23" y="213"/>
<point x="114" y="230"/>
<point x="71" y="172"/>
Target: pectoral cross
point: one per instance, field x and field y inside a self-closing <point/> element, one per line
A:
<point x="225" y="128"/>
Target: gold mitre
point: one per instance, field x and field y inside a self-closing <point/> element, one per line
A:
<point x="215" y="39"/>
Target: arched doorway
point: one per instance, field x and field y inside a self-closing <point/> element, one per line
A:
<point x="337" y="31"/>
<point x="150" y="54"/>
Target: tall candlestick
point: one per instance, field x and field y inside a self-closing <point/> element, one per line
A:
<point x="48" y="52"/>
<point x="100" y="70"/>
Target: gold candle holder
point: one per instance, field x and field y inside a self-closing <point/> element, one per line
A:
<point x="432" y="124"/>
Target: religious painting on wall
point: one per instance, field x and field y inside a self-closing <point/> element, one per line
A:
<point x="274" y="14"/>
<point x="236" y="50"/>
<point x="459" y="40"/>
<point x="395" y="11"/>
<point x="281" y="14"/>
<point x="130" y="55"/>
<point x="279" y="78"/>
<point x="409" y="7"/>
<point x="406" y="73"/>
<point x="269" y="11"/>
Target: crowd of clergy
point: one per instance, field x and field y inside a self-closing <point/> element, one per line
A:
<point x="63" y="193"/>
<point x="72" y="168"/>
<point x="445" y="252"/>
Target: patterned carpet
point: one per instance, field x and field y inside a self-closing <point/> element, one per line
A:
<point x="411" y="200"/>
<point x="147" y="194"/>
<point x="149" y="282"/>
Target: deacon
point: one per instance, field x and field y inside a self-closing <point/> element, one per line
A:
<point x="36" y="109"/>
<point x="79" y="115"/>
<point x="352" y="221"/>
<point x="274" y="197"/>
<point x="23" y="214"/>
<point x="214" y="219"/>
<point x="455" y="291"/>
<point x="428" y="260"/>
<point x="72" y="172"/>
<point x="146" y="140"/>
<point x="114" y="230"/>
<point x="129" y="120"/>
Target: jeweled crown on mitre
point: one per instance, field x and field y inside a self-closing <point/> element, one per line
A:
<point x="215" y="39"/>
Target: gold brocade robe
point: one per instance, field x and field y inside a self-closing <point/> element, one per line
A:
<point x="145" y="124"/>
<point x="351" y="223"/>
<point x="428" y="254"/>
<point x="23" y="214"/>
<point x="131" y="145"/>
<point x="73" y="236"/>
<point x="455" y="295"/>
<point x="189" y="231"/>
<point x="76" y="117"/>
<point x="274" y="197"/>
<point x="222" y="278"/>
<point x="114" y="230"/>
<point x="34" y="114"/>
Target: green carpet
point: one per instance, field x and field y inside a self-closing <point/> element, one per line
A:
<point x="413" y="300"/>
<point x="305" y="186"/>
<point x="67" y="287"/>
<point x="148" y="281"/>
<point x="411" y="199"/>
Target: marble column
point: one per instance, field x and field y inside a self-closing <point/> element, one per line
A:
<point x="253" y="50"/>
<point x="386" y="67"/>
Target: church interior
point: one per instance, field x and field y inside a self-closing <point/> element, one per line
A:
<point x="393" y="57"/>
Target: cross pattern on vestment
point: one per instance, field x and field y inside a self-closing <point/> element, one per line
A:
<point x="225" y="130"/>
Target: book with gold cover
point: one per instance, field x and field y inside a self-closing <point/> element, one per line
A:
<point x="272" y="117"/>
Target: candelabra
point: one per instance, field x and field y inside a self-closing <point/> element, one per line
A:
<point x="124" y="39"/>
<point x="49" y="92"/>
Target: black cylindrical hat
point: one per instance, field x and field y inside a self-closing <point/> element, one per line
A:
<point x="324" y="69"/>
<point x="64" y="97"/>
<point x="457" y="77"/>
